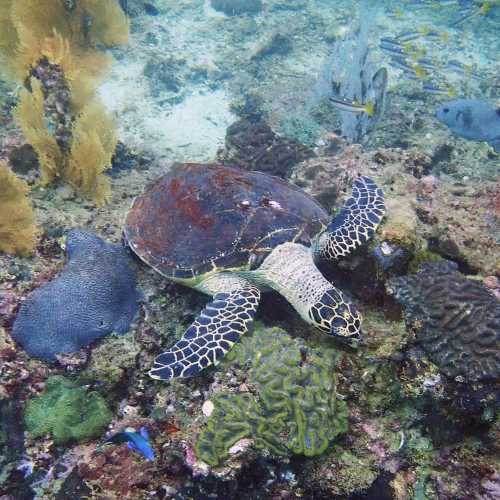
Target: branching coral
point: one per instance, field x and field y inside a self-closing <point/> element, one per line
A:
<point x="17" y="221"/>
<point x="295" y="410"/>
<point x="54" y="47"/>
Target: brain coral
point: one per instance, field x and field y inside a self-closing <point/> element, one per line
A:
<point x="457" y="320"/>
<point x="295" y="408"/>
<point x="95" y="294"/>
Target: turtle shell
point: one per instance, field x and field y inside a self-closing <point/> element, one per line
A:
<point x="199" y="217"/>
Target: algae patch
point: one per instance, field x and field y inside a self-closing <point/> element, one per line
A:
<point x="67" y="412"/>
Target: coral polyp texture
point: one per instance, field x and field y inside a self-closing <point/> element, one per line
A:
<point x="17" y="221"/>
<point x="51" y="47"/>
<point x="457" y="320"/>
<point x="294" y="408"/>
<point x="95" y="294"/>
<point x="66" y="412"/>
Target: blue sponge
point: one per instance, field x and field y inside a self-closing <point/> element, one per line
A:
<point x="95" y="294"/>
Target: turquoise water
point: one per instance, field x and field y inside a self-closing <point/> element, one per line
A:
<point x="249" y="249"/>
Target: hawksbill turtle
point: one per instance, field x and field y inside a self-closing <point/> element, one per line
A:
<point x="232" y="234"/>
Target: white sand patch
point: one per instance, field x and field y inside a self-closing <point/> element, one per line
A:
<point x="195" y="128"/>
<point x="209" y="11"/>
<point x="191" y="130"/>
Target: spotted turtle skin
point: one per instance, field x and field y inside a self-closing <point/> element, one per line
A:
<point x="199" y="218"/>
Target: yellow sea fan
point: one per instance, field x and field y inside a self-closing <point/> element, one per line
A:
<point x="36" y="20"/>
<point x="17" y="221"/>
<point x="94" y="142"/>
<point x="29" y="114"/>
<point x="83" y="77"/>
<point x="110" y="25"/>
<point x="8" y="41"/>
<point x="55" y="48"/>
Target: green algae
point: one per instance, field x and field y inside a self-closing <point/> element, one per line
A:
<point x="422" y="257"/>
<point x="67" y="412"/>
<point x="294" y="408"/>
<point x="112" y="360"/>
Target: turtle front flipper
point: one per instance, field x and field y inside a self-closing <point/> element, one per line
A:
<point x="219" y="325"/>
<point x="355" y="224"/>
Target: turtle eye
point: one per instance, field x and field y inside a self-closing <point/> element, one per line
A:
<point x="446" y="110"/>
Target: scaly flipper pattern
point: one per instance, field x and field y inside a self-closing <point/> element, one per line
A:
<point x="356" y="222"/>
<point x="219" y="325"/>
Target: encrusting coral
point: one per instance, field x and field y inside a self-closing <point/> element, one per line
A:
<point x="51" y="46"/>
<point x="66" y="412"/>
<point x="295" y="408"/>
<point x="17" y="221"/>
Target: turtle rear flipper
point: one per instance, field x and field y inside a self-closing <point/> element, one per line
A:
<point x="218" y="327"/>
<point x="356" y="222"/>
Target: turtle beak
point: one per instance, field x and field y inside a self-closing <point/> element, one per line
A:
<point x="353" y="341"/>
<point x="356" y="340"/>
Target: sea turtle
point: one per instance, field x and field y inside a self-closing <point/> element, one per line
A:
<point x="233" y="233"/>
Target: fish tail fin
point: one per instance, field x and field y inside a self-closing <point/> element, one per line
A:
<point x="370" y="108"/>
<point x="132" y="446"/>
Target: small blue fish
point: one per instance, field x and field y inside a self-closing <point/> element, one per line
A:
<point x="136" y="441"/>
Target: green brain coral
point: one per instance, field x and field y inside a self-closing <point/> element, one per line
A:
<point x="67" y="412"/>
<point x="295" y="408"/>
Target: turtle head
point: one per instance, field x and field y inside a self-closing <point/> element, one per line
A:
<point x="337" y="317"/>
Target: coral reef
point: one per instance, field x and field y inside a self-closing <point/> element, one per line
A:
<point x="414" y="433"/>
<point x="52" y="47"/>
<point x="118" y="471"/>
<point x="255" y="146"/>
<point x="457" y="320"/>
<point x="112" y="360"/>
<point x="66" y="412"/>
<point x="94" y="295"/>
<point x="17" y="220"/>
<point x="294" y="407"/>
<point x="424" y="213"/>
